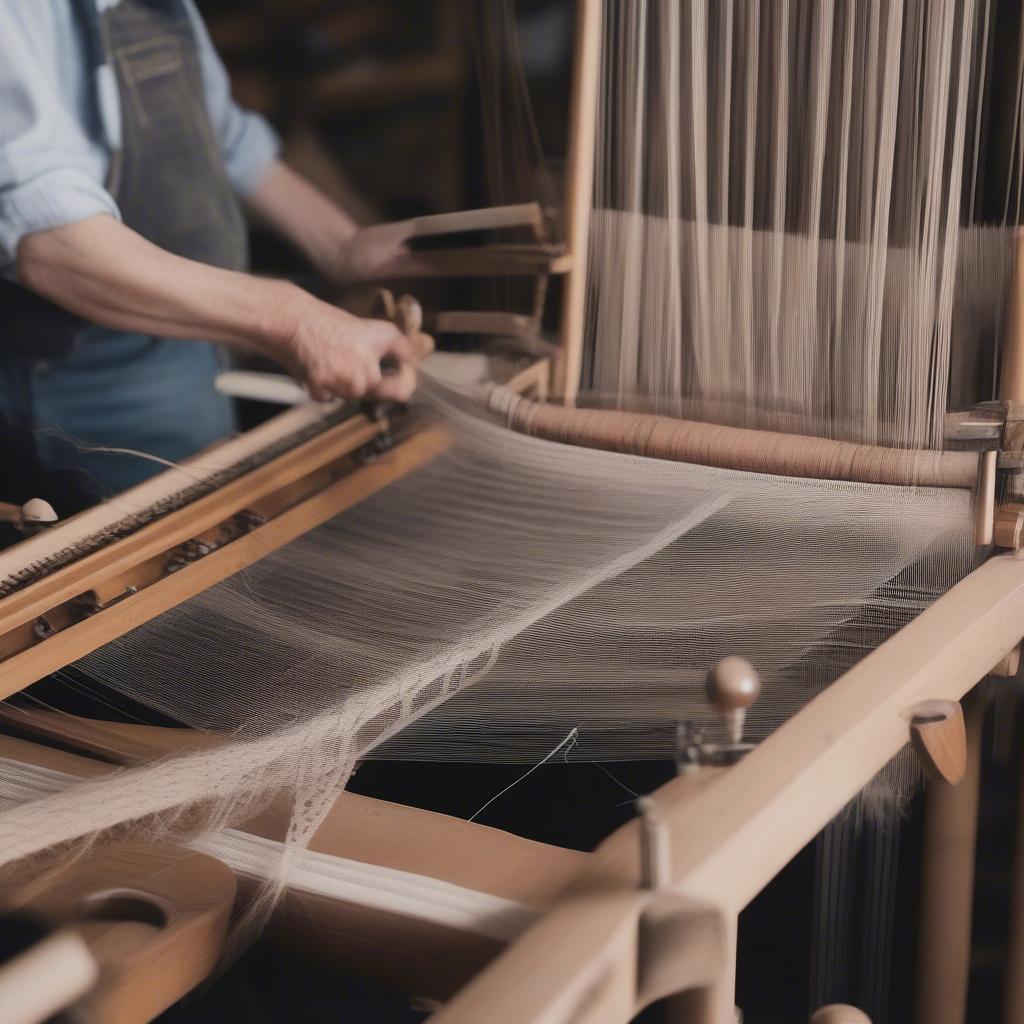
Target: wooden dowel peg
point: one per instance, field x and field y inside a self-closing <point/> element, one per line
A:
<point x="655" y="853"/>
<point x="938" y="735"/>
<point x="840" y="1013"/>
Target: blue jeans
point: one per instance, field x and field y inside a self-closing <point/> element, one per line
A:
<point x="116" y="390"/>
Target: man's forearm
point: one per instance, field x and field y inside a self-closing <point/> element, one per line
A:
<point x="305" y="216"/>
<point x="110" y="275"/>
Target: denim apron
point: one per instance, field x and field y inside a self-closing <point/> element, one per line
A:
<point x="63" y="380"/>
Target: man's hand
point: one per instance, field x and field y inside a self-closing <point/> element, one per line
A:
<point x="108" y="274"/>
<point x="362" y="256"/>
<point x="337" y="355"/>
<point x="341" y="250"/>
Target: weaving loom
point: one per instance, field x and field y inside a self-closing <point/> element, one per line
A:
<point x="773" y="538"/>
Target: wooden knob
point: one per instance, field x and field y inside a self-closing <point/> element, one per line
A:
<point x="733" y="684"/>
<point x="35" y="510"/>
<point x="840" y="1013"/>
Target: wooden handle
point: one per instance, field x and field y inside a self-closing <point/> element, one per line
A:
<point x="493" y="218"/>
<point x="44" y="979"/>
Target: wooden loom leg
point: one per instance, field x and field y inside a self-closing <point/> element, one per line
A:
<point x="947" y="883"/>
<point x="579" y="189"/>
<point x="1013" y="984"/>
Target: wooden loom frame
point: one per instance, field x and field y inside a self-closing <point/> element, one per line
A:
<point x="590" y="957"/>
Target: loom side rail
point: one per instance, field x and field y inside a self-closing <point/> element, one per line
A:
<point x="728" y="840"/>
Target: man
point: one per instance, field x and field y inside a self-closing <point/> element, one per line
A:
<point x="122" y="246"/>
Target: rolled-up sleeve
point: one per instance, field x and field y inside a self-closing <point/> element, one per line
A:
<point x="50" y="173"/>
<point x="248" y="144"/>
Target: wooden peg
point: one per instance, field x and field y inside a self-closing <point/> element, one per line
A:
<point x="655" y="855"/>
<point x="732" y="686"/>
<point x="938" y="735"/>
<point x="1008" y="665"/>
<point x="840" y="1013"/>
<point x="409" y="318"/>
<point x="407" y="315"/>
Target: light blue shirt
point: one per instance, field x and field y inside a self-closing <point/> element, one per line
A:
<point x="54" y="156"/>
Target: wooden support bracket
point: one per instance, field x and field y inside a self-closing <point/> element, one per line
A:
<point x="938" y="735"/>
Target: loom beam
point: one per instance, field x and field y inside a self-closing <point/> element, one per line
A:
<point x="735" y="448"/>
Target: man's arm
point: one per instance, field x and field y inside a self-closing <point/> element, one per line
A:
<point x="326" y="235"/>
<point x="110" y="275"/>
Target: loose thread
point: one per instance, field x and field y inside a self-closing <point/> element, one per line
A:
<point x="570" y="739"/>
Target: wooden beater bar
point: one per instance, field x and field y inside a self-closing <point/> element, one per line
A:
<point x="129" y="580"/>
